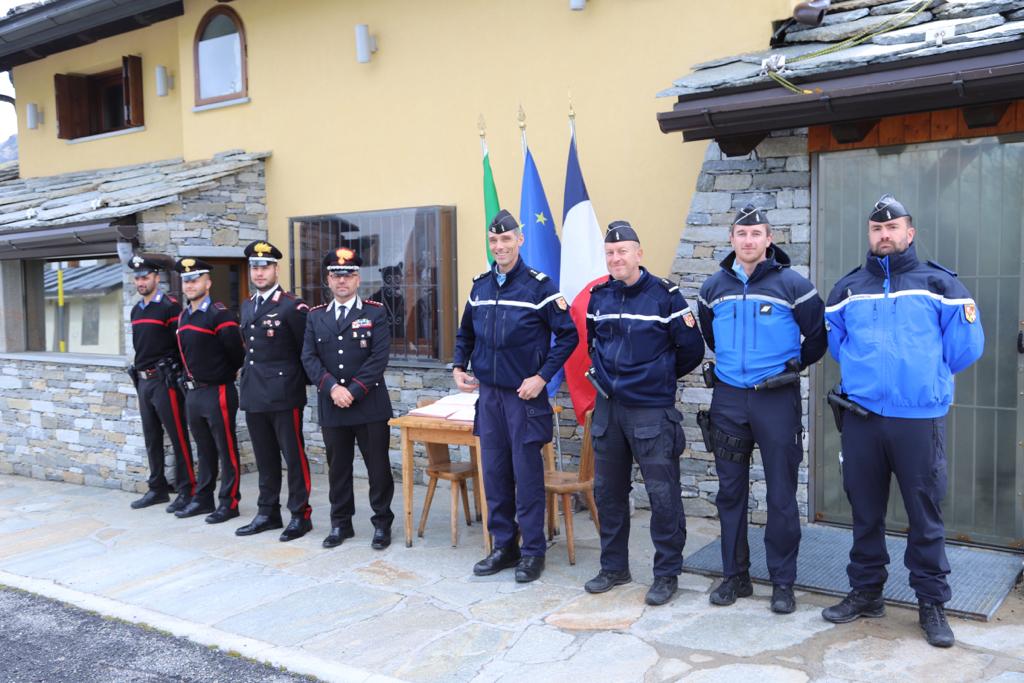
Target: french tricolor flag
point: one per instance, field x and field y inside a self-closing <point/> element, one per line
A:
<point x="582" y="266"/>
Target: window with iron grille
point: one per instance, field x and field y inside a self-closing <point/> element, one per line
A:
<point x="409" y="266"/>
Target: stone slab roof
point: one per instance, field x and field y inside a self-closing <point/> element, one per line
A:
<point x="93" y="280"/>
<point x="946" y="26"/>
<point x="106" y="194"/>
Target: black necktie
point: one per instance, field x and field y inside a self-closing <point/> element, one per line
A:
<point x="259" y="302"/>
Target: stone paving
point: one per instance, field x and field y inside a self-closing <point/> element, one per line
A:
<point x="418" y="614"/>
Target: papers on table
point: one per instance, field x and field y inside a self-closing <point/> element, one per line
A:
<point x="460" y="407"/>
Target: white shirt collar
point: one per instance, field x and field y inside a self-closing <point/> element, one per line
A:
<point x="269" y="293"/>
<point x="354" y="301"/>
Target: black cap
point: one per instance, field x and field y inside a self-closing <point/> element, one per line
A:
<point x="342" y="260"/>
<point x="143" y="265"/>
<point x="261" y="253"/>
<point x="191" y="268"/>
<point x="621" y="231"/>
<point x="503" y="222"/>
<point x="750" y="215"/>
<point x="887" y="208"/>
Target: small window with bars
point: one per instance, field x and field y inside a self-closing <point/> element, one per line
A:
<point x="409" y="266"/>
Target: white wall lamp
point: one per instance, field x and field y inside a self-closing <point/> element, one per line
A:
<point x="577" y="5"/>
<point x="164" y="81"/>
<point x="365" y="43"/>
<point x="33" y="116"/>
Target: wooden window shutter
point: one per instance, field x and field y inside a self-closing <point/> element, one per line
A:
<point x="131" y="78"/>
<point x="72" y="106"/>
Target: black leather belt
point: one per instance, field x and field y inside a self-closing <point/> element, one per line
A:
<point x="150" y="373"/>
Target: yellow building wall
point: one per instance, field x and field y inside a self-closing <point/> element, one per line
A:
<point x="402" y="130"/>
<point x="42" y="153"/>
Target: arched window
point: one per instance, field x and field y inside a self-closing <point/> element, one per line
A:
<point x="220" y="57"/>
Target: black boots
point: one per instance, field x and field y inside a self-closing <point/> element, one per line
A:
<point x="738" y="586"/>
<point x="857" y="603"/>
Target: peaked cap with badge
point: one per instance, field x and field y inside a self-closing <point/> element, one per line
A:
<point x="342" y="260"/>
<point x="191" y="268"/>
<point x="262" y="253"/>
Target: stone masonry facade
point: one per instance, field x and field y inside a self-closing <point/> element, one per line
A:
<point x="774" y="177"/>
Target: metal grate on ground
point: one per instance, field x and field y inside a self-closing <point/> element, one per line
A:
<point x="980" y="579"/>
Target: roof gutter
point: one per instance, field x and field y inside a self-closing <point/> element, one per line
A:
<point x="977" y="77"/>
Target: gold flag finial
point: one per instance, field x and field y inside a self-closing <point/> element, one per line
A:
<point x="521" y="118"/>
<point x="481" y="126"/>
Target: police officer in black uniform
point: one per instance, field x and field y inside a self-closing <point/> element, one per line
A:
<point x="212" y="352"/>
<point x="754" y="312"/>
<point x="642" y="336"/>
<point x="272" y="392"/>
<point x="345" y="352"/>
<point x="506" y="334"/>
<point x="154" y="372"/>
<point x="900" y="329"/>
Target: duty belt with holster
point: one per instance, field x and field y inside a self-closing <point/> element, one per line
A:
<point x="725" y="446"/>
<point x="790" y="376"/>
<point x="839" y="403"/>
<point x="170" y="371"/>
<point x="592" y="378"/>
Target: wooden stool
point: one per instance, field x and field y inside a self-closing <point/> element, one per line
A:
<point x="457" y="474"/>
<point x="566" y="484"/>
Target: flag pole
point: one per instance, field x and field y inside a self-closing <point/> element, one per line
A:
<point x="481" y="127"/>
<point x="572" y="119"/>
<point x="521" y="120"/>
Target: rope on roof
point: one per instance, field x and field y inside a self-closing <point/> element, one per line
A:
<point x="775" y="64"/>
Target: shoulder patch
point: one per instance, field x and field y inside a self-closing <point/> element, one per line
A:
<point x="373" y="303"/>
<point x="667" y="284"/>
<point x="537" y="275"/>
<point x="481" y="275"/>
<point x="933" y="264"/>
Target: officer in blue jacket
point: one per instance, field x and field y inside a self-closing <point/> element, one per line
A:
<point x="754" y="312"/>
<point x="900" y="330"/>
<point x="642" y="336"/>
<point x="505" y="340"/>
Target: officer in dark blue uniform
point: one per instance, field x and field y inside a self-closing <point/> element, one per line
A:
<point x="505" y="341"/>
<point x="642" y="337"/>
<point x="345" y="352"/>
<point x="154" y="373"/>
<point x="272" y="392"/>
<point x="211" y="352"/>
<point x="753" y="313"/>
<point x="900" y="330"/>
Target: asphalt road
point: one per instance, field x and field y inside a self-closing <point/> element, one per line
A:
<point x="46" y="641"/>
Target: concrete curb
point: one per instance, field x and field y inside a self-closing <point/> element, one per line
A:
<point x="292" y="659"/>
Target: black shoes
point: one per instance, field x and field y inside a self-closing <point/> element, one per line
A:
<point x="932" y="618"/>
<point x="662" y="590"/>
<point x="221" y="515"/>
<point x="783" y="600"/>
<point x="605" y="581"/>
<point x="529" y="568"/>
<point x="337" y="537"/>
<point x="259" y="524"/>
<point x="499" y="559"/>
<point x="194" y="507"/>
<point x="738" y="586"/>
<point x="179" y="503"/>
<point x="381" y="538"/>
<point x="150" y="498"/>
<point x="857" y="603"/>
<point x="297" y="528"/>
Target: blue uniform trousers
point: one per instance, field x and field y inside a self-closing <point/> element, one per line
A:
<point x="772" y="419"/>
<point x="875" y="448"/>
<point x="512" y="432"/>
<point x="653" y="437"/>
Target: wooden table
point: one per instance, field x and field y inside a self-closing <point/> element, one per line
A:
<point x="437" y="435"/>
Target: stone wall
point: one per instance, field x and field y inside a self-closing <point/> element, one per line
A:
<point x="775" y="177"/>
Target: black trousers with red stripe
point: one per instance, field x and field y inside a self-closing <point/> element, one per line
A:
<point x="275" y="434"/>
<point x="211" y="418"/>
<point x="163" y="409"/>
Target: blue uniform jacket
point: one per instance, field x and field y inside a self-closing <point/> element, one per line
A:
<point x="755" y="327"/>
<point x="505" y="335"/>
<point x="641" y="339"/>
<point x="900" y="330"/>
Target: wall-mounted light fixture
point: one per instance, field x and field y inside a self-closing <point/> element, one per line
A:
<point x="577" y="5"/>
<point x="33" y="116"/>
<point x="365" y="43"/>
<point x="164" y="81"/>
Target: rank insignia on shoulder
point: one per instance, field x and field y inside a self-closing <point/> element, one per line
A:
<point x="970" y="313"/>
<point x="373" y="303"/>
<point x="560" y="302"/>
<point x="668" y="284"/>
<point x="537" y="275"/>
<point x="481" y="275"/>
<point x="689" y="319"/>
